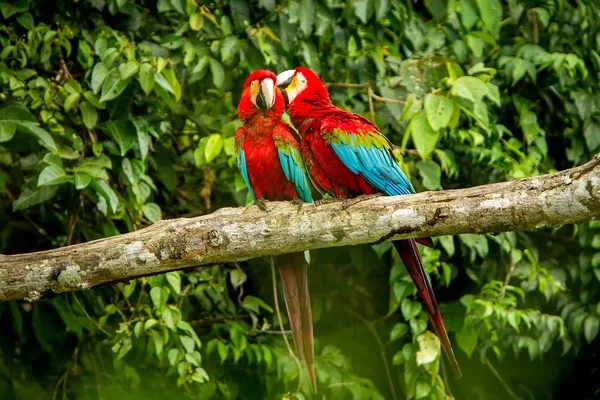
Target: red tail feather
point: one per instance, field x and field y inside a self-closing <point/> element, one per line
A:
<point x="294" y="275"/>
<point x="425" y="241"/>
<point x="407" y="249"/>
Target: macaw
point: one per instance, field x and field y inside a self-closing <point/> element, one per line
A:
<point x="268" y="155"/>
<point x="347" y="156"/>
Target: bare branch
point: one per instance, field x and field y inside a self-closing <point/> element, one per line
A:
<point x="235" y="234"/>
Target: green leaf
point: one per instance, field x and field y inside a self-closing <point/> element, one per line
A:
<point x="71" y="101"/>
<point x="362" y="9"/>
<point x="188" y="343"/>
<point x="170" y="76"/>
<point x="471" y="89"/>
<point x="590" y="328"/>
<point x="431" y="173"/>
<point x="439" y="110"/>
<point x="410" y="309"/>
<point x="423" y="389"/>
<point x="7" y="130"/>
<point x="467" y="340"/>
<point x="229" y="146"/>
<point x="158" y="340"/>
<point x="10" y="9"/>
<point x="307" y="16"/>
<point x="152" y="212"/>
<point x="82" y="180"/>
<point x="150" y="322"/>
<point x="126" y="346"/>
<point x="34" y="130"/>
<point x="128" y="171"/>
<point x="159" y="296"/>
<point x="146" y="77"/>
<point x="89" y="114"/>
<point x="398" y="358"/>
<point x="103" y="188"/>
<point x="468" y="13"/>
<point x="240" y="12"/>
<point x="174" y="356"/>
<point x="447" y="243"/>
<point x="399" y="330"/>
<point x="491" y="14"/>
<point x="237" y="278"/>
<point x="196" y="21"/>
<point x="30" y="198"/>
<point x="478" y="243"/>
<point x="123" y="132"/>
<point x="25" y="20"/>
<point x="168" y="316"/>
<point x="128" y="69"/>
<point x="253" y="304"/>
<point x="429" y="348"/>
<point x="381" y="8"/>
<point x="217" y="72"/>
<point x="16" y="112"/>
<point x="98" y="76"/>
<point x="213" y="148"/>
<point x="229" y="46"/>
<point x="52" y="175"/>
<point x="423" y="135"/>
<point x="174" y="280"/>
<point x="113" y="86"/>
<point x="93" y="100"/>
<point x="591" y="133"/>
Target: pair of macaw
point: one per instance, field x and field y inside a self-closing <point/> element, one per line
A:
<point x="342" y="154"/>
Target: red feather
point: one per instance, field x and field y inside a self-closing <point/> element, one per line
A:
<point x="313" y="114"/>
<point x="268" y="182"/>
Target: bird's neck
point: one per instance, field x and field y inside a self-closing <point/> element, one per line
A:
<point x="304" y="111"/>
<point x="262" y="118"/>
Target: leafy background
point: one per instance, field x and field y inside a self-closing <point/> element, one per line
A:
<point x="115" y="114"/>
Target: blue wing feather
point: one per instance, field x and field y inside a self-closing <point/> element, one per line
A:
<point x="372" y="160"/>
<point x="241" y="159"/>
<point x="294" y="169"/>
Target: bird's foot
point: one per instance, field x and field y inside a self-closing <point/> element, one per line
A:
<point x="262" y="204"/>
<point x="299" y="203"/>
<point x="350" y="202"/>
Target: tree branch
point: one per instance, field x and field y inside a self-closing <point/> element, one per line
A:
<point x="235" y="234"/>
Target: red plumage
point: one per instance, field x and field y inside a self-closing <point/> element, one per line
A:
<point x="318" y="121"/>
<point x="258" y="154"/>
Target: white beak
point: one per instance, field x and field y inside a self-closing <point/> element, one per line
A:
<point x="267" y="87"/>
<point x="284" y="78"/>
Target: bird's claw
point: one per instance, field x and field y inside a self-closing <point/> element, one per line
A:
<point x="299" y="203"/>
<point x="262" y="204"/>
<point x="350" y="202"/>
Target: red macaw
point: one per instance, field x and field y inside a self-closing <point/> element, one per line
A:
<point x="347" y="156"/>
<point x="268" y="154"/>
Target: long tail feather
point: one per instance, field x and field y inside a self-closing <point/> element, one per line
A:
<point x="407" y="249"/>
<point x="294" y="275"/>
<point x="425" y="241"/>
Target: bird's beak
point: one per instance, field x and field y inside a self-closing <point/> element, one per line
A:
<point x="285" y="78"/>
<point x="286" y="81"/>
<point x="266" y="97"/>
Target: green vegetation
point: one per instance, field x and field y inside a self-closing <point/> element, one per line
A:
<point x="117" y="113"/>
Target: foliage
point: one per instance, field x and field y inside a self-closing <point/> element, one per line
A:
<point x="115" y="114"/>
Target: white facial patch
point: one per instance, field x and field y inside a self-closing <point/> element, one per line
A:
<point x="298" y="84"/>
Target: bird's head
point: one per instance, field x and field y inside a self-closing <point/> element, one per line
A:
<point x="302" y="83"/>
<point x="260" y="95"/>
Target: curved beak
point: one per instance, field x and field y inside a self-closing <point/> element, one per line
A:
<point x="285" y="78"/>
<point x="266" y="96"/>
